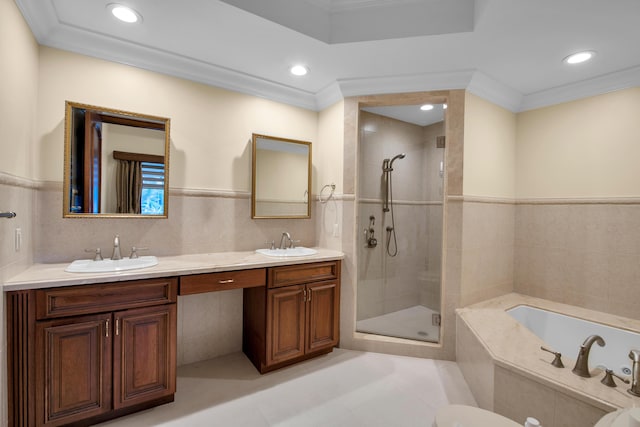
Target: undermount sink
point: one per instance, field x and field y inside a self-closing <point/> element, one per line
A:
<point x="109" y="265"/>
<point x="299" y="251"/>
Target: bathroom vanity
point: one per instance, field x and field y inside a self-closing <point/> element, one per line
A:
<point x="87" y="348"/>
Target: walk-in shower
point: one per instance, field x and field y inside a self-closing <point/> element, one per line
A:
<point x="399" y="275"/>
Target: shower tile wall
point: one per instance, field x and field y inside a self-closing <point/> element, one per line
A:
<point x="413" y="277"/>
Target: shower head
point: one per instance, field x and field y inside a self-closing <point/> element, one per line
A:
<point x="399" y="156"/>
<point x="387" y="164"/>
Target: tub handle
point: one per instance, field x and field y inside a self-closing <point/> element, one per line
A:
<point x="557" y="361"/>
<point x="608" y="378"/>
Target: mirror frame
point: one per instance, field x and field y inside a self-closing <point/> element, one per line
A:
<point x="120" y="114"/>
<point x="255" y="138"/>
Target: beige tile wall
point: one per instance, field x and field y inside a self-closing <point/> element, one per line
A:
<point x="488" y="250"/>
<point x="583" y="254"/>
<point x="195" y="225"/>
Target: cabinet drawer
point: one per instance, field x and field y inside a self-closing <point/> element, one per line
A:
<point x="210" y="282"/>
<point x="90" y="299"/>
<point x="303" y="273"/>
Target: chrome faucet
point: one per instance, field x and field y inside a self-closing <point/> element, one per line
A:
<point x="634" y="355"/>
<point x="582" y="362"/>
<point x="283" y="240"/>
<point x="116" y="248"/>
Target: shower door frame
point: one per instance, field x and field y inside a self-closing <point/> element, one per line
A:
<point x="452" y="222"/>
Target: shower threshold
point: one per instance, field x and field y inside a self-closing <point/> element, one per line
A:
<point x="414" y="323"/>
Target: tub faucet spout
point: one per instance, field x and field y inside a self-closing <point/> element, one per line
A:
<point x="582" y="362"/>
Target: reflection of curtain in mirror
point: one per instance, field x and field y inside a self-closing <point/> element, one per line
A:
<point x="128" y="186"/>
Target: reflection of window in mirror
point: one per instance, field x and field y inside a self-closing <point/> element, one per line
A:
<point x="116" y="163"/>
<point x="149" y="150"/>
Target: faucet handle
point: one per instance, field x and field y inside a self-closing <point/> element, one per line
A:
<point x="293" y="244"/>
<point x="134" y="251"/>
<point x="557" y="361"/>
<point x="97" y="252"/>
<point x="272" y="244"/>
<point x="608" y="378"/>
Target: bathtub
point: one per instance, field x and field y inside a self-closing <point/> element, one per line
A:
<point x="498" y="351"/>
<point x="565" y="334"/>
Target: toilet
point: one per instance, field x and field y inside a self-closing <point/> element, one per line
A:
<point x="468" y="416"/>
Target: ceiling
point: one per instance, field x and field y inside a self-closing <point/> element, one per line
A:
<point x="507" y="51"/>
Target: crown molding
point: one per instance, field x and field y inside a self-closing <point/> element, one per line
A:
<point x="43" y="21"/>
<point x="405" y="83"/>
<point x="619" y="80"/>
<point x="493" y="91"/>
<point x="102" y="47"/>
<point x="328" y="96"/>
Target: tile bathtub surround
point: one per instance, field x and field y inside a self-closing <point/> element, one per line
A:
<point x="580" y="253"/>
<point x="488" y="249"/>
<point x="516" y="353"/>
<point x="343" y="388"/>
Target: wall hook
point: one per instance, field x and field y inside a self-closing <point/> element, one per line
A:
<point x="8" y="214"/>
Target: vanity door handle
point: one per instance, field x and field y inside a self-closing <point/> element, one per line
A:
<point x="222" y="282"/>
<point x="106" y="329"/>
<point x="117" y="327"/>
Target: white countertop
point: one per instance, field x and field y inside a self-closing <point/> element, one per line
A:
<point x="40" y="276"/>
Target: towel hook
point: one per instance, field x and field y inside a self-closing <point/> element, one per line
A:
<point x="8" y="214"/>
<point x="332" y="186"/>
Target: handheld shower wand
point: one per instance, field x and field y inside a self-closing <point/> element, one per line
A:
<point x="387" y="203"/>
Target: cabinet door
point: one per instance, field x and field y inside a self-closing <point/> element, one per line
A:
<point x="322" y="316"/>
<point x="285" y="324"/>
<point x="73" y="369"/>
<point x="144" y="361"/>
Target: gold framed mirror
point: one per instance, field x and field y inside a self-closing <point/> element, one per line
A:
<point x="281" y="178"/>
<point x="116" y="163"/>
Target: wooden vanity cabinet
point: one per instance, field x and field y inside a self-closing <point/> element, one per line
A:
<point x="93" y="352"/>
<point x="295" y="317"/>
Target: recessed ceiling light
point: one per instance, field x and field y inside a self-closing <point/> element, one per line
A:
<point x="444" y="106"/>
<point x="299" y="70"/>
<point x="579" y="57"/>
<point x="426" y="107"/>
<point x="124" y="13"/>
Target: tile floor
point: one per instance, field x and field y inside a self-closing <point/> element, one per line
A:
<point x="344" y="388"/>
<point x="413" y="323"/>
